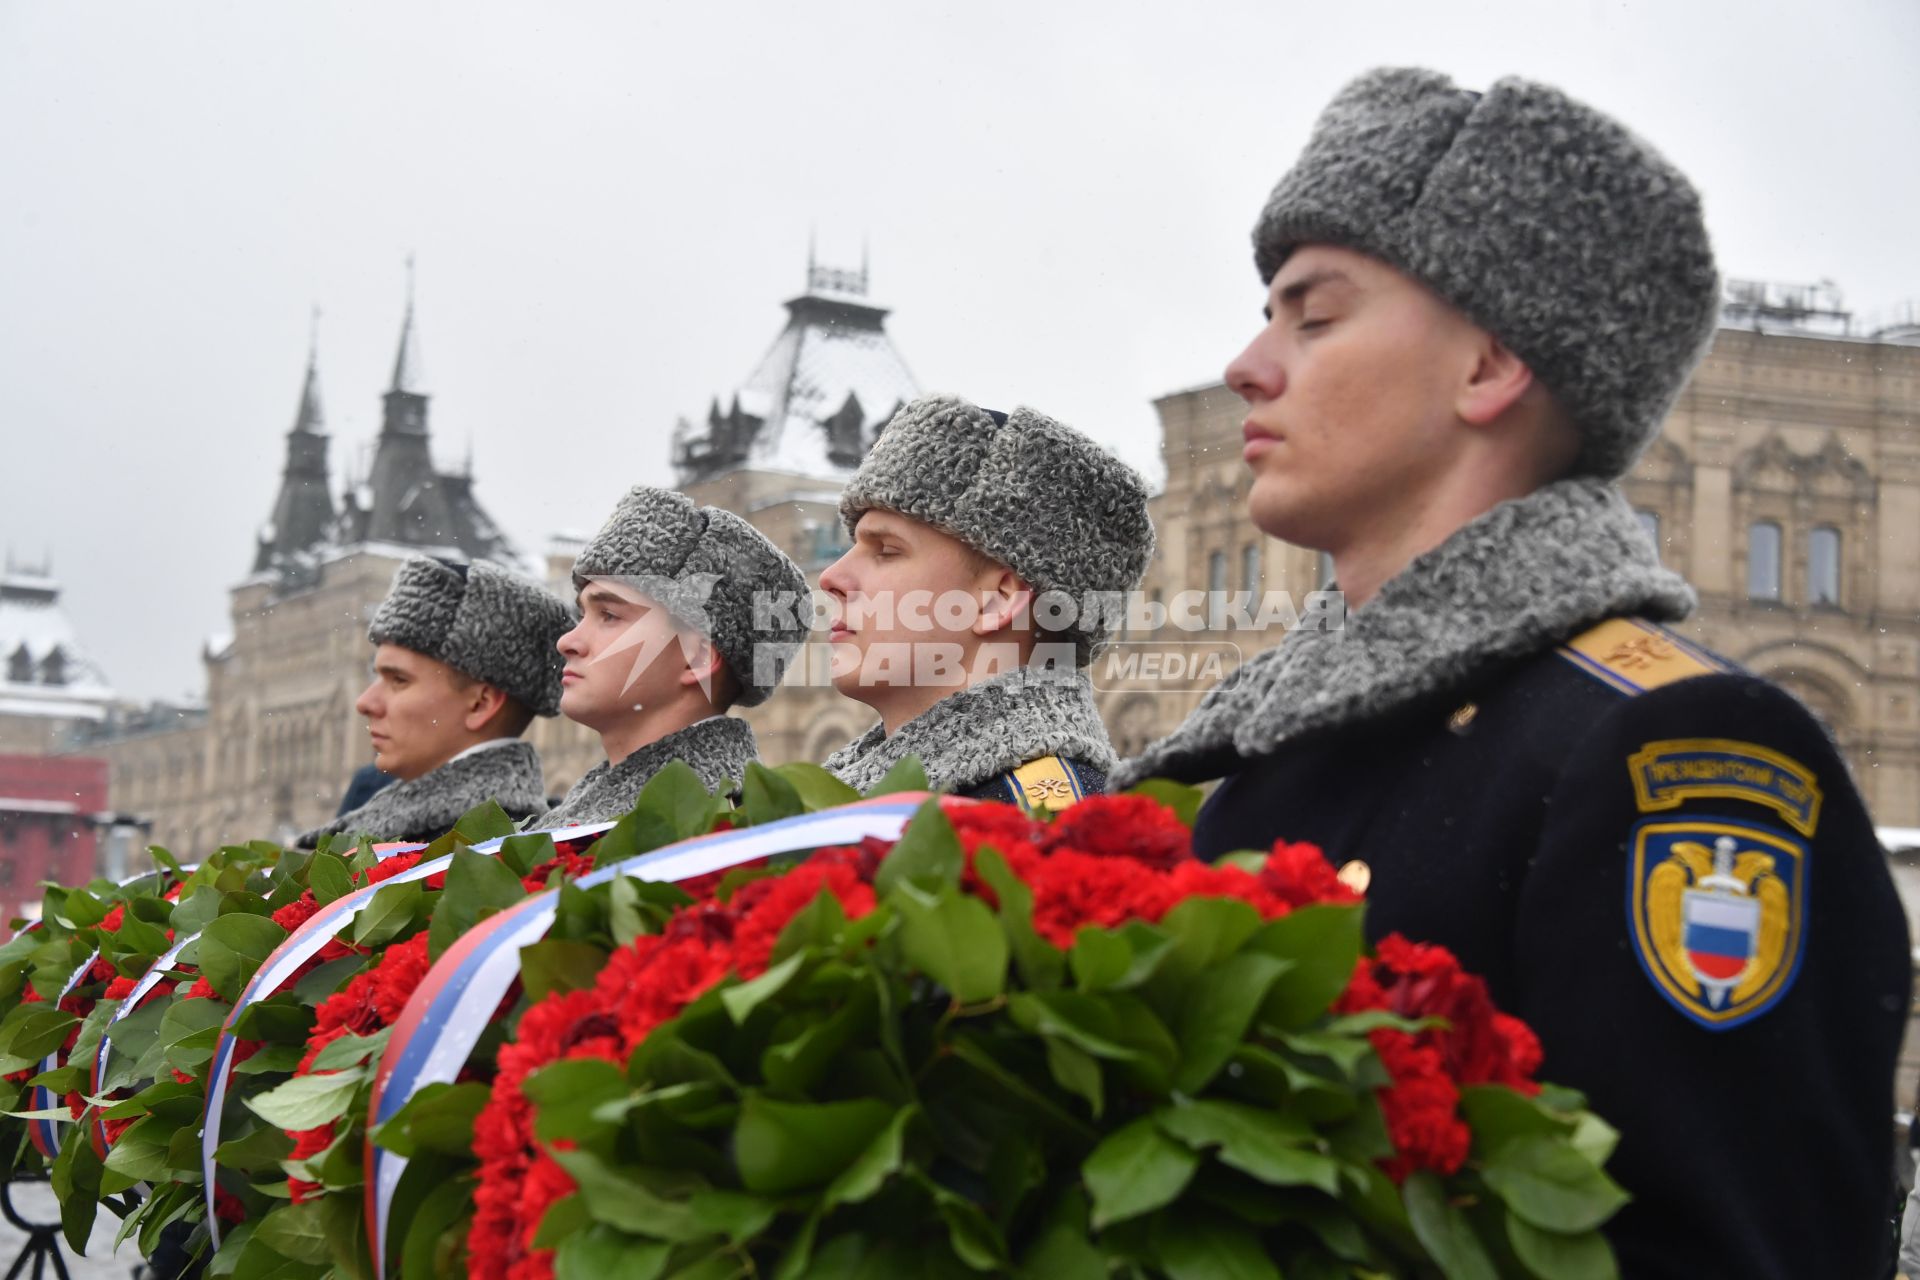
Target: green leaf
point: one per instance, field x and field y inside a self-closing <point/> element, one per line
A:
<point x="1594" y="1138"/>
<point x="1210" y="1246"/>
<point x="195" y="911"/>
<point x="427" y="1228"/>
<point x="1063" y="1249"/>
<point x="438" y="1118"/>
<point x="1497" y="1115"/>
<point x="521" y="854"/>
<point x="1205" y="931"/>
<point x="295" y="1231"/>
<point x="1136" y="1169"/>
<point x="1086" y="1022"/>
<point x="557" y="964"/>
<point x="1444" y="1231"/>
<point x="307" y="1102"/>
<point x="1324" y="944"/>
<point x="816" y="788"/>
<point x="743" y="999"/>
<point x="75" y="1179"/>
<point x="1266" y="1144"/>
<point x="1117" y="960"/>
<point x="600" y="1252"/>
<point x="565" y="1094"/>
<point x="622" y="1201"/>
<point x="733" y="1214"/>
<point x="393" y="910"/>
<point x="768" y="797"/>
<point x="787" y="1146"/>
<point x="954" y="940"/>
<point x="1552" y="1256"/>
<point x="908" y="774"/>
<point x="82" y="910"/>
<point x="1041" y="963"/>
<point x="928" y="854"/>
<point x="1214" y="1018"/>
<point x="884" y="1157"/>
<point x="477" y="886"/>
<point x="818" y="924"/>
<point x="1185" y="801"/>
<point x="30" y="1033"/>
<point x="1552" y="1185"/>
<point x="328" y="878"/>
<point x="260" y="1150"/>
<point x="350" y="1051"/>
<point x="232" y="946"/>
<point x="485" y="821"/>
<point x="1078" y="1073"/>
<point x="677" y="795"/>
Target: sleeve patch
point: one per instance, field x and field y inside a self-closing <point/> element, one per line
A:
<point x="1716" y="910"/>
<point x="1046" y="783"/>
<point x="1667" y="773"/>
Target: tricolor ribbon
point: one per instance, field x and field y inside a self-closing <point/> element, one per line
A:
<point x="45" y="1133"/>
<point x="453" y="1004"/>
<point x="299" y="947"/>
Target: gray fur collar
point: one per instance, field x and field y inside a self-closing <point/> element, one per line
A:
<point x="427" y="807"/>
<point x="718" y="748"/>
<point x="1523" y="577"/>
<point x="999" y="724"/>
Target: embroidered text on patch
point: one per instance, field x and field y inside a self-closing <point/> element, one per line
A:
<point x="1669" y="772"/>
<point x="1716" y="911"/>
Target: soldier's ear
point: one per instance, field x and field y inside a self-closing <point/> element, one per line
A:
<point x="1493" y="381"/>
<point x="704" y="663"/>
<point x="1006" y="603"/>
<point x="484" y="704"/>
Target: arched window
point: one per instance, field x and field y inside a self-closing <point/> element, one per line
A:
<point x="1326" y="571"/>
<point x="1217" y="572"/>
<point x="1250" y="566"/>
<point x="1823" y="566"/>
<point x="1763" y="560"/>
<point x="20" y="666"/>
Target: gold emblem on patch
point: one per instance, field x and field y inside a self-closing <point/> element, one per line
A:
<point x="1640" y="653"/>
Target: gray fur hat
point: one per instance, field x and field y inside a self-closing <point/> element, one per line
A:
<point x="1030" y="492"/>
<point x="482" y="621"/>
<point x="1544" y="221"/>
<point x="705" y="566"/>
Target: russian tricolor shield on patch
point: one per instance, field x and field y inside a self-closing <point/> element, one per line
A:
<point x="1718" y="931"/>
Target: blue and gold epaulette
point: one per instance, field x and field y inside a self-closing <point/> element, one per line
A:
<point x="1050" y="783"/>
<point x="1633" y="656"/>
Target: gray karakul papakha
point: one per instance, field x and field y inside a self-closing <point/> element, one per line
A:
<point x="1021" y="488"/>
<point x="483" y="621"/>
<point x="1549" y="224"/>
<point x="706" y="566"/>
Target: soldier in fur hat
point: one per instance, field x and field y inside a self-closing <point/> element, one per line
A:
<point x="990" y="553"/>
<point x="1479" y="308"/>
<point x="669" y="641"/>
<point x="463" y="661"/>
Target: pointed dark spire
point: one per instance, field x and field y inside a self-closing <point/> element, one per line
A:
<point x="310" y="419"/>
<point x="408" y="374"/>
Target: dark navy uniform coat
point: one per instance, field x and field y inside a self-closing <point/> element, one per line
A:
<point x="1662" y="865"/>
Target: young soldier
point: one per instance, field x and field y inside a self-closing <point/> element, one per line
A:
<point x="668" y="642"/>
<point x="1479" y="309"/>
<point x="463" y="660"/>
<point x="966" y="525"/>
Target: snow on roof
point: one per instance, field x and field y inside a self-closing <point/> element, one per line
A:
<point x="20" y="804"/>
<point x="32" y="622"/>
<point x="805" y="379"/>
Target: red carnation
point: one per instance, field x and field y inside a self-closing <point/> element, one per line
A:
<point x="1301" y="874"/>
<point x="1137" y="827"/>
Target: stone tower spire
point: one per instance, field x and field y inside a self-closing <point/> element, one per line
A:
<point x="303" y="513"/>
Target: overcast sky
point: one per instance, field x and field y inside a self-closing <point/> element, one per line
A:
<point x="609" y="202"/>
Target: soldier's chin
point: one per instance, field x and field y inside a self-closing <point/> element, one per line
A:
<point x="1276" y="510"/>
